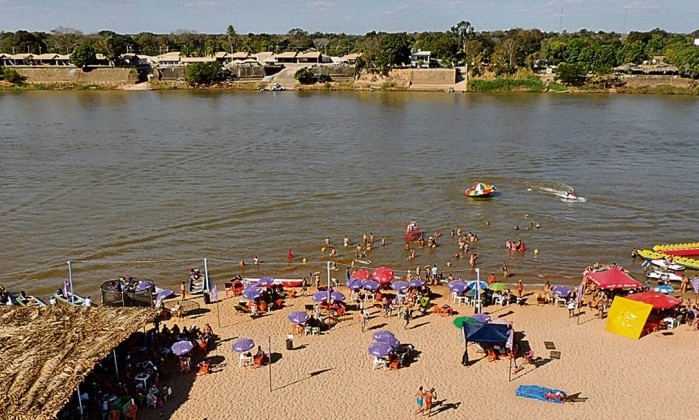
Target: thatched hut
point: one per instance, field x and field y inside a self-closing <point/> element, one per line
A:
<point x="45" y="353"/>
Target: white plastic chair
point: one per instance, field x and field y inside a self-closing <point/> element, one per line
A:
<point x="379" y="363"/>
<point x="560" y="301"/>
<point x="463" y="299"/>
<point x="368" y="296"/>
<point x="245" y="360"/>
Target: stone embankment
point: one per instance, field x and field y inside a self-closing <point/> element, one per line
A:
<point x="107" y="77"/>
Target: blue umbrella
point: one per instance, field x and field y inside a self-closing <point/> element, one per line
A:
<point x="482" y="318"/>
<point x="265" y="282"/>
<point x="337" y="296"/>
<point x="371" y="285"/>
<point x="417" y="283"/>
<point x="355" y="284"/>
<point x="382" y="333"/>
<point x="472" y="284"/>
<point x="664" y="289"/>
<point x="251" y="293"/>
<point x="319" y="296"/>
<point x="163" y="294"/>
<point x="243" y="344"/>
<point x="392" y="341"/>
<point x="182" y="347"/>
<point x="380" y="349"/>
<point x="144" y="285"/>
<point x="400" y="285"/>
<point x="458" y="286"/>
<point x="561" y="290"/>
<point x="298" y="317"/>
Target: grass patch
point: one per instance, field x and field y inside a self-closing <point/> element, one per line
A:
<point x="557" y="87"/>
<point x="506" y="85"/>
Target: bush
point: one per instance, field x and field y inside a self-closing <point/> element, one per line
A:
<point x="305" y="76"/>
<point x="203" y="73"/>
<point x="324" y="78"/>
<point x="506" y="85"/>
<point x="12" y="76"/>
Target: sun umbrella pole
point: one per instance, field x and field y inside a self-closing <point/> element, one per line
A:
<point x="116" y="366"/>
<point x="70" y="279"/>
<point x="206" y="275"/>
<point x="509" y="372"/>
<point x="80" y="401"/>
<point x="479" y="303"/>
<point x="328" y="268"/>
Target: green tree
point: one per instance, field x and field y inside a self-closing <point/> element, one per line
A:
<point x="393" y="50"/>
<point x="572" y="74"/>
<point x="232" y="36"/>
<point x="305" y="76"/>
<point x="464" y="32"/>
<point x="12" y="76"/>
<point x="83" y="55"/>
<point x="203" y="74"/>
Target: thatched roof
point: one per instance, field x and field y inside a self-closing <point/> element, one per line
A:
<point x="46" y="352"/>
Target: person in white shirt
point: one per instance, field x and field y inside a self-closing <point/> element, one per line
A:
<point x="87" y="302"/>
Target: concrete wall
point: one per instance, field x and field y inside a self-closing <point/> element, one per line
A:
<point x="97" y="76"/>
<point x="433" y="76"/>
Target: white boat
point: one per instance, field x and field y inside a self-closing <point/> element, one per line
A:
<point x="666" y="265"/>
<point x="283" y="282"/>
<point x="28" y="300"/>
<point x="570" y="196"/>
<point x="663" y="276"/>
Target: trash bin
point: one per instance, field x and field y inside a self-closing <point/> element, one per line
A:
<point x="289" y="342"/>
<point x="207" y="298"/>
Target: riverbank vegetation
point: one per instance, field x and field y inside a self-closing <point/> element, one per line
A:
<point x="576" y="58"/>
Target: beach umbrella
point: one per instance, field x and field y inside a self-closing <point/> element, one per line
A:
<point x="265" y="282"/>
<point x="319" y="297"/>
<point x="417" y="283"/>
<point x="460" y="321"/>
<point x="503" y="321"/>
<point x="361" y="274"/>
<point x="400" y="285"/>
<point x="182" y="347"/>
<point x="243" y="344"/>
<point x="251" y="293"/>
<point x="383" y="275"/>
<point x="163" y="294"/>
<point x="458" y="286"/>
<point x="144" y="285"/>
<point x="473" y="284"/>
<point x="380" y="349"/>
<point x="472" y="293"/>
<point x="392" y="341"/>
<point x="561" y="290"/>
<point x="378" y="335"/>
<point x="482" y="318"/>
<point x="497" y="287"/>
<point x="355" y="284"/>
<point x="298" y="317"/>
<point x="695" y="284"/>
<point x="371" y="285"/>
<point x="337" y="296"/>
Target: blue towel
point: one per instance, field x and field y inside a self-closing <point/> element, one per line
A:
<point x="537" y="392"/>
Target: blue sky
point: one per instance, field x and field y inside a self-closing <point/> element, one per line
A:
<point x="349" y="16"/>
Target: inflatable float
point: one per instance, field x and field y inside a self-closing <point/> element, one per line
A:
<point x="686" y="254"/>
<point x="480" y="190"/>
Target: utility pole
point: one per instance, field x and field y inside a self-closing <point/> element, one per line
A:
<point x="560" y="22"/>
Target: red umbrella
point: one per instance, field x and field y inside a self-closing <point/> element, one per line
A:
<point x="360" y="274"/>
<point x="383" y="275"/>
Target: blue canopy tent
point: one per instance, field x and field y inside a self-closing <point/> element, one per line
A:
<point x="486" y="333"/>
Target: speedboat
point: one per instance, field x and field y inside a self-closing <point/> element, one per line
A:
<point x="480" y="190"/>
<point x="663" y="276"/>
<point x="666" y="265"/>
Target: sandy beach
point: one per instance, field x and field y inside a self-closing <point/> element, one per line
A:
<point x="330" y="375"/>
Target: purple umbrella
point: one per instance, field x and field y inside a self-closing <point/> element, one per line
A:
<point x="561" y="290"/>
<point x="355" y="284"/>
<point x="243" y="344"/>
<point x="387" y="339"/>
<point x="371" y="285"/>
<point x="182" y="347"/>
<point x="265" y="282"/>
<point x="417" y="283"/>
<point x="383" y="333"/>
<point x="337" y="296"/>
<point x="482" y="318"/>
<point x="163" y="294"/>
<point x="400" y="285"/>
<point x="144" y="285"/>
<point x="298" y="317"/>
<point x="319" y="297"/>
<point x="380" y="349"/>
<point x="458" y="286"/>
<point x="251" y="293"/>
<point x="695" y="284"/>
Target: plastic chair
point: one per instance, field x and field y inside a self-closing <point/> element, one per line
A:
<point x="378" y="363"/>
<point x="245" y="360"/>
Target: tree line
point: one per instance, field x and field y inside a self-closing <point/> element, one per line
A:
<point x="499" y="52"/>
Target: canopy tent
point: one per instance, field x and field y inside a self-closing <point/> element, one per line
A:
<point x="613" y="278"/>
<point x="45" y="353"/>
<point x="486" y="333"/>
<point x="658" y="300"/>
<point x="627" y="317"/>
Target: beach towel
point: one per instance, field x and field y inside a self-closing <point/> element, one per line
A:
<point x="540" y="393"/>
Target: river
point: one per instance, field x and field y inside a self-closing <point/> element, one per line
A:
<point x="151" y="183"/>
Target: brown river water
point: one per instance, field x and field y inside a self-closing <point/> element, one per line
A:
<point x="151" y="183"/>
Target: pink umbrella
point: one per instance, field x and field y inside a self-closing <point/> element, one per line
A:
<point x="360" y="274"/>
<point x="383" y="275"/>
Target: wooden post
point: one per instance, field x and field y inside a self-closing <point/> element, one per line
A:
<point x="218" y="312"/>
<point x="509" y="372"/>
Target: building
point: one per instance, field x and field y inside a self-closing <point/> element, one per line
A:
<point x="286" y="57"/>
<point x="421" y="59"/>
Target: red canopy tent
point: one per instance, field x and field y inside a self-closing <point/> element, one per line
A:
<point x="613" y="279"/>
<point x="658" y="300"/>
